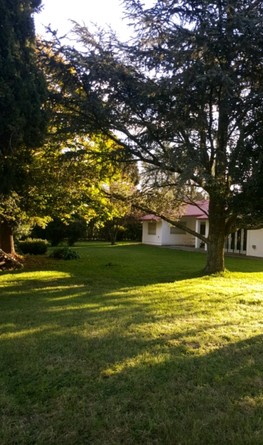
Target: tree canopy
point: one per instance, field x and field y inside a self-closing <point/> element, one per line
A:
<point x="184" y="97"/>
<point x="22" y="88"/>
<point x="47" y="170"/>
<point x="73" y="177"/>
<point x="22" y="116"/>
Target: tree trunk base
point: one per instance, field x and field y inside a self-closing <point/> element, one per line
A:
<point x="9" y="262"/>
<point x="211" y="271"/>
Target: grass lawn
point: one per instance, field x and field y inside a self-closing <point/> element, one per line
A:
<point x="129" y="345"/>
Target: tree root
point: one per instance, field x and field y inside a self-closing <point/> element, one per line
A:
<point x="9" y="262"/>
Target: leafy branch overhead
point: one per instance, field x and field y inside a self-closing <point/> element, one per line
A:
<point x="48" y="168"/>
<point x="183" y="97"/>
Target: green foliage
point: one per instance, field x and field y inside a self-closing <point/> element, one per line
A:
<point x="22" y="92"/>
<point x="128" y="228"/>
<point x="184" y="97"/>
<point x="55" y="232"/>
<point x="76" y="229"/>
<point x="64" y="253"/>
<point x="58" y="231"/>
<point x="70" y="182"/>
<point x="132" y="231"/>
<point x="66" y="174"/>
<point x="33" y="246"/>
<point x="23" y="116"/>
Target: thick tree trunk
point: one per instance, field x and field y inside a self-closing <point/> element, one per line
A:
<point x="7" y="239"/>
<point x="215" y="254"/>
<point x="216" y="240"/>
<point x="113" y="236"/>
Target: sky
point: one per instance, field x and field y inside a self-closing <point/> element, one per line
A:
<point x="58" y="14"/>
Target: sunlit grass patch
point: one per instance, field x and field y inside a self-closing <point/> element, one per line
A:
<point x="36" y="276"/>
<point x="145" y="351"/>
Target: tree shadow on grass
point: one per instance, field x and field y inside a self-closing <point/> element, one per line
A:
<point x="80" y="361"/>
<point x="215" y="399"/>
<point x="82" y="367"/>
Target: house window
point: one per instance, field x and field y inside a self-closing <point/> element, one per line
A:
<point x="151" y="228"/>
<point x="176" y="231"/>
<point x="202" y="228"/>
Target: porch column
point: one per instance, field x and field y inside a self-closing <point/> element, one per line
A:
<point x="206" y="232"/>
<point x="197" y="229"/>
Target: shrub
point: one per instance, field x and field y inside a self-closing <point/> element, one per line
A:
<point x="33" y="246"/>
<point x="76" y="229"/>
<point x="64" y="253"/>
<point x="55" y="231"/>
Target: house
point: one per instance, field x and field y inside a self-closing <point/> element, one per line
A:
<point x="156" y="231"/>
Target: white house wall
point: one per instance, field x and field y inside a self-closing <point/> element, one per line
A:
<point x="152" y="239"/>
<point x="169" y="239"/>
<point x="163" y="237"/>
<point x="255" y="243"/>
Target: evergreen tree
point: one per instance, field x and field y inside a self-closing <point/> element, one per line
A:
<point x="185" y="98"/>
<point x="22" y="119"/>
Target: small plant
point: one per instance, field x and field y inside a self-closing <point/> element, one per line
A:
<point x="33" y="246"/>
<point x="64" y="253"/>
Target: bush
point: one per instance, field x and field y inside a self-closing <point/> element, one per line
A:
<point x="33" y="246"/>
<point x="55" y="232"/>
<point x="64" y="253"/>
<point x="76" y="229"/>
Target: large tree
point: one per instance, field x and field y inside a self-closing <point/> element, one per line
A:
<point x="185" y="98"/>
<point x="66" y="178"/>
<point x="22" y="117"/>
<point x="72" y="177"/>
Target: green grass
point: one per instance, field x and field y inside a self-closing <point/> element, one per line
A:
<point x="130" y="345"/>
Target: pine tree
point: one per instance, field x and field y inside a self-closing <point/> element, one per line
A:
<point x="22" y="119"/>
<point x="184" y="97"/>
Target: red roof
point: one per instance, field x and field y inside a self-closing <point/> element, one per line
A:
<point x="150" y="218"/>
<point x="198" y="210"/>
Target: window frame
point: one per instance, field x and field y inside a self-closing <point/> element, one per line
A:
<point x="176" y="230"/>
<point x="152" y="227"/>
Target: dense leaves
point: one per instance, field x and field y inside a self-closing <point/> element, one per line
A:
<point x="22" y="91"/>
<point x="47" y="170"/>
<point x="22" y="115"/>
<point x="184" y="97"/>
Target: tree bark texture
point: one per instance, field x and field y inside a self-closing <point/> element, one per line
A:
<point x="216" y="239"/>
<point x="7" y="239"/>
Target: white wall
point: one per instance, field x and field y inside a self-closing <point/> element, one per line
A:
<point x="152" y="239"/>
<point x="169" y="239"/>
<point x="255" y="242"/>
<point x="163" y="237"/>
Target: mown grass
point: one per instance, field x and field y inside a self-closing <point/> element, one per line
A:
<point x="130" y="345"/>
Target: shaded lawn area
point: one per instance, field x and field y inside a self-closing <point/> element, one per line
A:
<point x="129" y="345"/>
